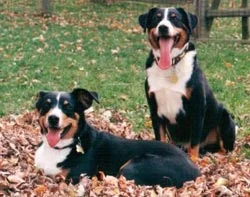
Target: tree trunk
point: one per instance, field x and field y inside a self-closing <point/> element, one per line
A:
<point x="47" y="8"/>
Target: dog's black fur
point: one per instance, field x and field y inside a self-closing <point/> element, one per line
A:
<point x="146" y="162"/>
<point x="201" y="121"/>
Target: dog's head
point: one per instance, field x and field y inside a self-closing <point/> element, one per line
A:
<point x="60" y="113"/>
<point x="168" y="29"/>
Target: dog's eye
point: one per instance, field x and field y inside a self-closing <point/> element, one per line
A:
<point x="159" y="15"/>
<point x="173" y="15"/>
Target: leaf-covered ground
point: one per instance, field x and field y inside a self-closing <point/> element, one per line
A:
<point x="222" y="175"/>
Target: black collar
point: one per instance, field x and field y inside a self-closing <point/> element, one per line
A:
<point x="179" y="57"/>
<point x="77" y="141"/>
<point x="176" y="59"/>
<point x="61" y="148"/>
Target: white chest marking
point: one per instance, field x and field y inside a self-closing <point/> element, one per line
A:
<point x="47" y="158"/>
<point x="169" y="95"/>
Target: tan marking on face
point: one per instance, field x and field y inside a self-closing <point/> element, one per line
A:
<point x="152" y="39"/>
<point x="74" y="125"/>
<point x="65" y="102"/>
<point x="182" y="38"/>
<point x="159" y="14"/>
<point x="48" y="100"/>
<point x="173" y="15"/>
<point x="193" y="152"/>
<point x="41" y="121"/>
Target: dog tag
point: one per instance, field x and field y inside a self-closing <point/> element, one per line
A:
<point x="173" y="78"/>
<point x="79" y="149"/>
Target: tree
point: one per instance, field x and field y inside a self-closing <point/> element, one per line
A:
<point x="46" y="8"/>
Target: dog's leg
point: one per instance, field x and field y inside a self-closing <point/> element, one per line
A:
<point x="227" y="131"/>
<point x="162" y="131"/>
<point x="156" y="122"/>
<point x="158" y="126"/>
<point x="63" y="174"/>
<point x="193" y="152"/>
<point x="197" y="122"/>
<point x="86" y="164"/>
<point x="169" y="171"/>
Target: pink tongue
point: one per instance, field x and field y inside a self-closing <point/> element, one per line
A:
<point x="53" y="137"/>
<point x="165" y="49"/>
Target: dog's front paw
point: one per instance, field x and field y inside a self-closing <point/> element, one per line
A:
<point x="193" y="153"/>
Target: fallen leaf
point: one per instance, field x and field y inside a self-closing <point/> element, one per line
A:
<point x="228" y="65"/>
<point x="221" y="181"/>
<point x="14" y="179"/>
<point x="115" y="51"/>
<point x="124" y="97"/>
<point x="230" y="83"/>
<point x="40" y="190"/>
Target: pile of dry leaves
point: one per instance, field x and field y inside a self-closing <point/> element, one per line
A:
<point x="222" y="175"/>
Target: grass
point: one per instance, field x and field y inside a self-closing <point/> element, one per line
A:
<point x="102" y="48"/>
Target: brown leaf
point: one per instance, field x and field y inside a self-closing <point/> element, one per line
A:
<point x="40" y="190"/>
<point x="20" y="135"/>
<point x="228" y="65"/>
<point x="4" y="185"/>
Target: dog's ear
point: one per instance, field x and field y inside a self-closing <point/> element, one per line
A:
<point x="144" y="18"/>
<point x="191" y="19"/>
<point x="39" y="98"/>
<point x="84" y="97"/>
<point x="143" y="21"/>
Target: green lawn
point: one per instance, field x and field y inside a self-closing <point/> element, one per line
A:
<point x="102" y="48"/>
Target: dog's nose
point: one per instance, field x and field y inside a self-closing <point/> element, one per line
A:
<point x="53" y="120"/>
<point x="163" y="29"/>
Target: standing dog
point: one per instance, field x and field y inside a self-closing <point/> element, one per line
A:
<point x="181" y="102"/>
<point x="71" y="147"/>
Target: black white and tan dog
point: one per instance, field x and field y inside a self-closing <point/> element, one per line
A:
<point x="71" y="147"/>
<point x="182" y="104"/>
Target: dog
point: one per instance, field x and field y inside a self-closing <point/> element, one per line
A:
<point x="70" y="146"/>
<point x="181" y="102"/>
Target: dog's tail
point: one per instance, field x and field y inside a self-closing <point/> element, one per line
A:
<point x="228" y="130"/>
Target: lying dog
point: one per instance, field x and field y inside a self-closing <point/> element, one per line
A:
<point x="71" y="147"/>
<point x="181" y="102"/>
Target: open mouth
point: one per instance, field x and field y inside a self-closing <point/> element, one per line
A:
<point x="175" y="38"/>
<point x="166" y="44"/>
<point x="54" y="134"/>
